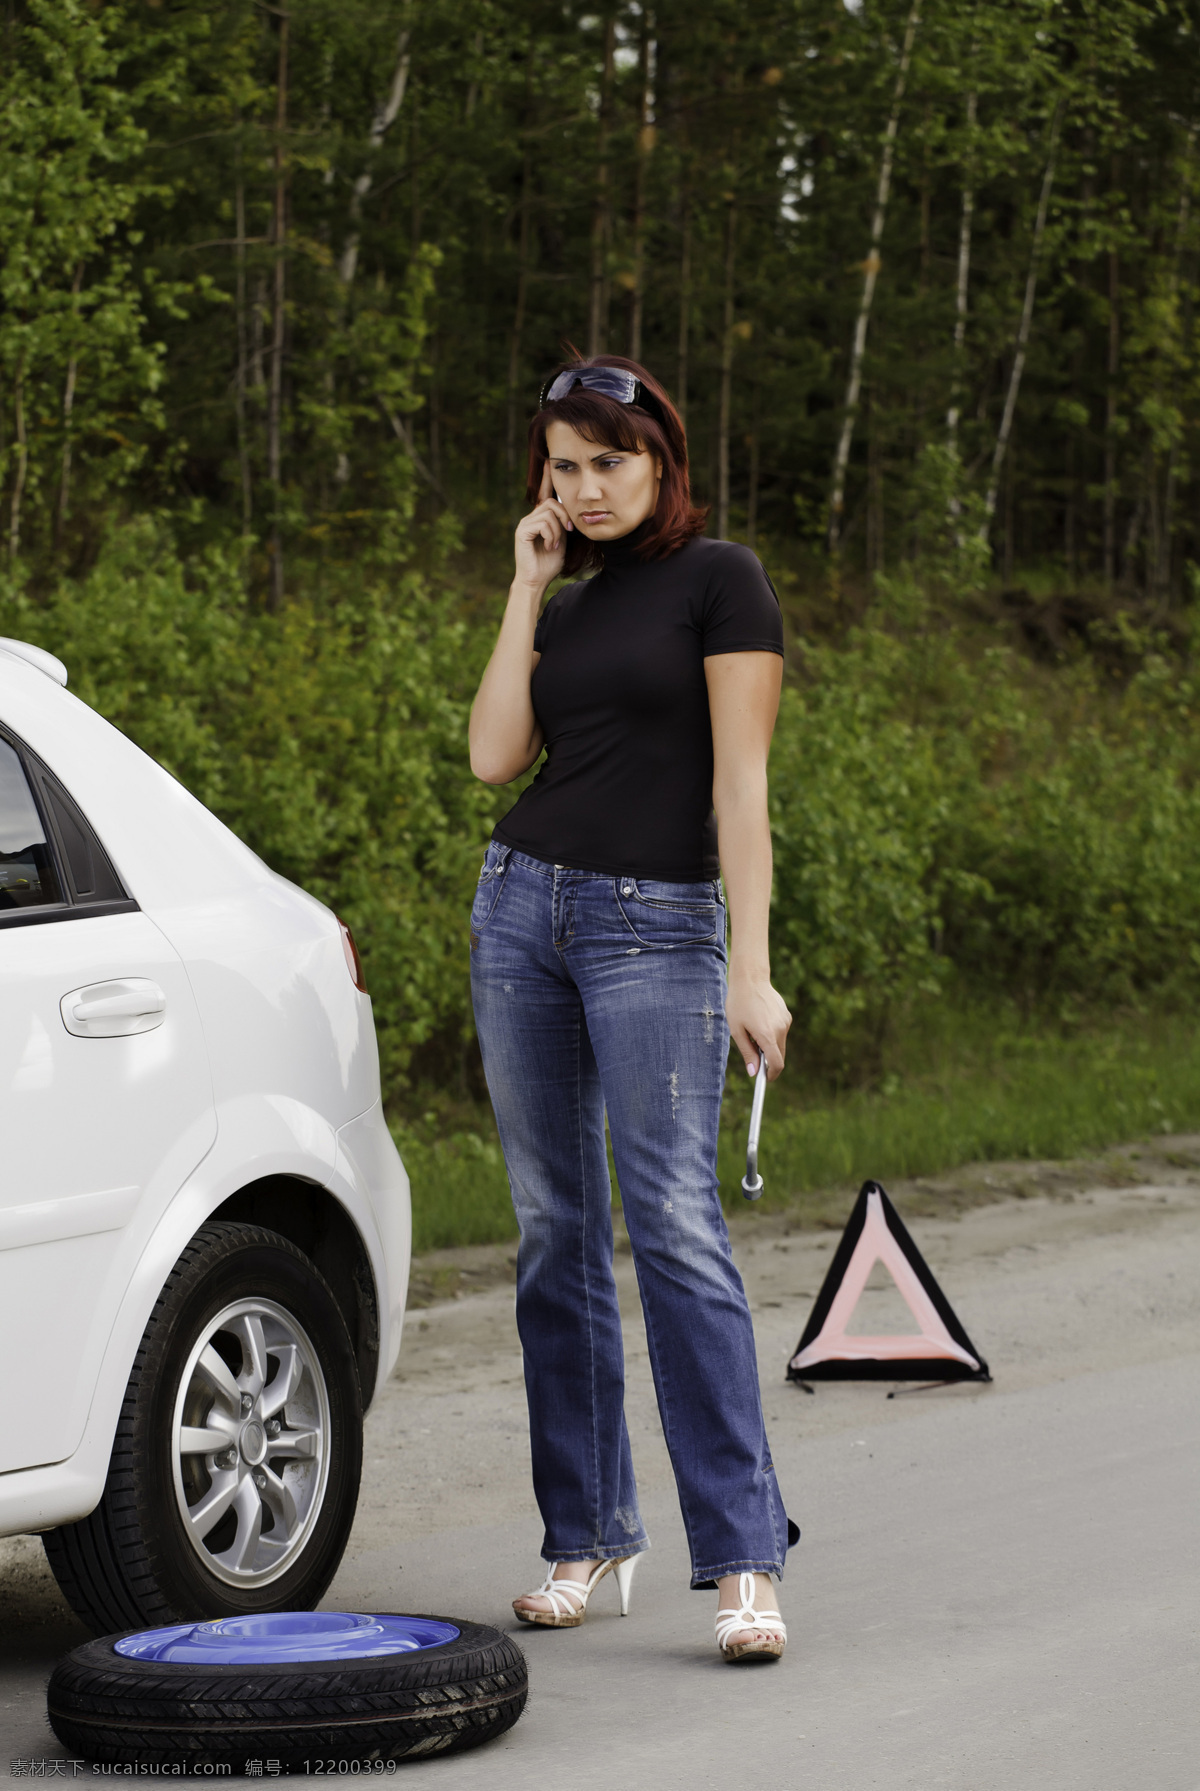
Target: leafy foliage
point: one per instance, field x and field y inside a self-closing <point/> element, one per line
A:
<point x="278" y="285"/>
<point x="217" y="217"/>
<point x="941" y="826"/>
<point x="73" y="350"/>
<point x="332" y="740"/>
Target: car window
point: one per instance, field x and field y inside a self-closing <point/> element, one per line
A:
<point x="28" y="878"/>
<point x="89" y="872"/>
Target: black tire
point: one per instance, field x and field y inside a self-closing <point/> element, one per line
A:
<point x="132" y="1563"/>
<point x="105" y="1707"/>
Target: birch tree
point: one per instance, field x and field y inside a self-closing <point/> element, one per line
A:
<point x="360" y="304"/>
<point x="644" y="149"/>
<point x="963" y="274"/>
<point x="726" y="387"/>
<point x="1180" y="317"/>
<point x="601" y="237"/>
<point x="278" y="319"/>
<point x="871" y="267"/>
<point x="1026" y="321"/>
<point x="78" y="372"/>
<point x="385" y="117"/>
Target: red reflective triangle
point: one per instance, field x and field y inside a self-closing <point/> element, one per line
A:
<point x="833" y="1343"/>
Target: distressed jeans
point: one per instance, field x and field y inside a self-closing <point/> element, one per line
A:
<point x="598" y="994"/>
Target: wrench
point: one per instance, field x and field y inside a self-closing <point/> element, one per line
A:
<point x="752" y="1181"/>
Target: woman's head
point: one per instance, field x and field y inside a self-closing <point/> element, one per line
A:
<point x="614" y="466"/>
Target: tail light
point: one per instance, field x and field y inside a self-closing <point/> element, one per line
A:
<point x="353" y="961"/>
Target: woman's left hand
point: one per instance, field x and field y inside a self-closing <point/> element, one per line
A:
<point x="758" y="1021"/>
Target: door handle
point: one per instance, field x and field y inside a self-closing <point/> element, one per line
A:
<point x="114" y="1010"/>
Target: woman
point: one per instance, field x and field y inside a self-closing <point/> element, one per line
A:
<point x="599" y="985"/>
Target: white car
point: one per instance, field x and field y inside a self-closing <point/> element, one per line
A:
<point x="204" y="1223"/>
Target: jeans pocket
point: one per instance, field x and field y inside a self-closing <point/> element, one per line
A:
<point x="487" y="890"/>
<point x="669" y="914"/>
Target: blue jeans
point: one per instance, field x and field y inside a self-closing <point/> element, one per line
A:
<point x="596" y="993"/>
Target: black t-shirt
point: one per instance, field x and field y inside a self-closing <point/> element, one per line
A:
<point x="621" y="696"/>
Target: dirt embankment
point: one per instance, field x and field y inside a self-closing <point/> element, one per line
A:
<point x="1166" y="1162"/>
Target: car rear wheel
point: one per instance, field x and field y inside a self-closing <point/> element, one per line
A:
<point x="235" y="1468"/>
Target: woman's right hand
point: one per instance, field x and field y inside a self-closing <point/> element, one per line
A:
<point x="541" y="539"/>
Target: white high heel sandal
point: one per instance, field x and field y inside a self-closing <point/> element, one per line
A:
<point x="730" y="1622"/>
<point x="564" y="1613"/>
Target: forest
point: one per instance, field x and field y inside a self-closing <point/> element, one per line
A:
<point x="279" y="284"/>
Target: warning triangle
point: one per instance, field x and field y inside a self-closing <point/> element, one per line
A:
<point x="940" y="1348"/>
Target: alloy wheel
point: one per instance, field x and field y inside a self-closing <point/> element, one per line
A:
<point x="250" y="1442"/>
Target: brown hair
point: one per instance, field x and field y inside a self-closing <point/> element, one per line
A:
<point x="632" y="427"/>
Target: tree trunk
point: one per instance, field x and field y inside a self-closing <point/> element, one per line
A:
<point x="435" y="412"/>
<point x="962" y="286"/>
<point x="414" y="159"/>
<point x="279" y="298"/>
<point x="752" y="496"/>
<point x="645" y="145"/>
<point x="726" y="373"/>
<point x="1010" y="485"/>
<point x="685" y="306"/>
<point x="1110" y="420"/>
<point x="473" y="84"/>
<point x="926" y="246"/>
<point x="870" y="274"/>
<point x="1154" y="514"/>
<point x="602" y="209"/>
<point x="875" y="554"/>
<point x="258" y="314"/>
<point x="1023" y="328"/>
<point x="1132" y="541"/>
<point x="239" y="387"/>
<point x="1162" y="570"/>
<point x="402" y="429"/>
<point x="18" y="493"/>
<point x="385" y="116"/>
<point x="64" y="483"/>
<point x="381" y="124"/>
<point x="518" y="323"/>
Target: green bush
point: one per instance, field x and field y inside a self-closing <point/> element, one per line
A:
<point x="331" y="737"/>
<point x="860" y="811"/>
<point x="948" y="824"/>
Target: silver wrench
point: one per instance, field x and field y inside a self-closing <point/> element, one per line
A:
<point x="752" y="1181"/>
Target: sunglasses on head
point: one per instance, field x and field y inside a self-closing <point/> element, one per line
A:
<point x="610" y="382"/>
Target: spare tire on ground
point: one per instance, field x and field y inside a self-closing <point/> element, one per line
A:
<point x="287" y="1688"/>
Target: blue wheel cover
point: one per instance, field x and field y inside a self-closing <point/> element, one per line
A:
<point x="275" y="1636"/>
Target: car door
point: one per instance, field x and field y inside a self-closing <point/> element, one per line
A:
<point x="106" y="1103"/>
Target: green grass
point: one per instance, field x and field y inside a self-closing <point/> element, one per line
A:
<point x="1014" y="1096"/>
<point x="459" y="1188"/>
<point x="985" y="1086"/>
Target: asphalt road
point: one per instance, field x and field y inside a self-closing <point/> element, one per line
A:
<point x="997" y="1588"/>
